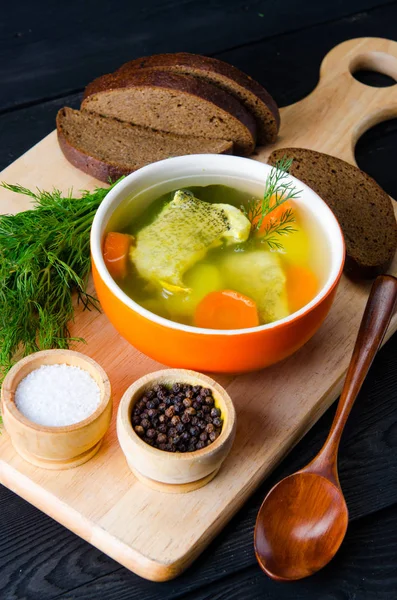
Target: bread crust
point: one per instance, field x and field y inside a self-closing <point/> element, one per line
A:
<point x="221" y="74"/>
<point x="185" y="84"/>
<point x="83" y="161"/>
<point x="362" y="260"/>
<point x="216" y="71"/>
<point x="100" y="169"/>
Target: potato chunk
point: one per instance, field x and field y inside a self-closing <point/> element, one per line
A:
<point x="259" y="275"/>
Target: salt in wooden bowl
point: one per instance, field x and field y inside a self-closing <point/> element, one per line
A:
<point x="56" y="447"/>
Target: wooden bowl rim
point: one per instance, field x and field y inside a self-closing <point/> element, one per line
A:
<point x="39" y="359"/>
<point x="132" y="393"/>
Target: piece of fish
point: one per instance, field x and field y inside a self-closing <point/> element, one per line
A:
<point x="181" y="235"/>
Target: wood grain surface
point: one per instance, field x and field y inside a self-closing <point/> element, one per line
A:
<point x="40" y="559"/>
<point x="102" y="501"/>
<point x="303" y="520"/>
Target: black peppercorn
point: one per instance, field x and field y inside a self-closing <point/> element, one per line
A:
<point x="161" y="438"/>
<point x="181" y="419"/>
<point x="170" y="412"/>
<point x="185" y="418"/>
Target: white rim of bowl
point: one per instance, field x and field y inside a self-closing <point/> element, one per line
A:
<point x="204" y="163"/>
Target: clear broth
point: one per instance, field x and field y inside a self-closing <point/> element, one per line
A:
<point x="303" y="249"/>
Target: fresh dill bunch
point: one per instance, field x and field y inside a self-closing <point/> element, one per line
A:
<point x="278" y="190"/>
<point x="44" y="258"/>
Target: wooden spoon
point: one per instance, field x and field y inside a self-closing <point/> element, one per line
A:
<point x="303" y="519"/>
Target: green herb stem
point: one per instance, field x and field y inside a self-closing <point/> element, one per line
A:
<point x="278" y="190"/>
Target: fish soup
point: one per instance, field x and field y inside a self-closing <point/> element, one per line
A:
<point x="217" y="257"/>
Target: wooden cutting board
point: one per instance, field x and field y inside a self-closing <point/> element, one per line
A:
<point x="158" y="535"/>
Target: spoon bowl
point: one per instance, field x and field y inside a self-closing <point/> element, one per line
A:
<point x="304" y="520"/>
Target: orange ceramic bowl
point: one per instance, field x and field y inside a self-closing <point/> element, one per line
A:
<point x="190" y="347"/>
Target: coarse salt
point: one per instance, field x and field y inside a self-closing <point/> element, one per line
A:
<point x="57" y="395"/>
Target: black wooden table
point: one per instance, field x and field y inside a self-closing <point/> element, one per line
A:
<point x="49" y="51"/>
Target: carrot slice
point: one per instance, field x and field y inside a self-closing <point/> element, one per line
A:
<point x="302" y="286"/>
<point x="115" y="253"/>
<point x="227" y="309"/>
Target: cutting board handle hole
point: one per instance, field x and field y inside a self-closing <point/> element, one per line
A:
<point x="373" y="151"/>
<point x="375" y="69"/>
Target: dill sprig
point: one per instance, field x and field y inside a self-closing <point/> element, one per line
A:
<point x="279" y="227"/>
<point x="278" y="190"/>
<point x="44" y="258"/>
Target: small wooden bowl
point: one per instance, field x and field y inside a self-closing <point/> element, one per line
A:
<point x="174" y="472"/>
<point x="56" y="447"/>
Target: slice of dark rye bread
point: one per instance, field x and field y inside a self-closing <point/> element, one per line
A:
<point x="107" y="149"/>
<point x="227" y="77"/>
<point x="364" y="211"/>
<point x="174" y="103"/>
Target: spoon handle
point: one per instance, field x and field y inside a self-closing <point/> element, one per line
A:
<point x="375" y="321"/>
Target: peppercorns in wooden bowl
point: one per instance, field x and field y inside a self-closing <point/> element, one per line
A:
<point x="175" y="428"/>
<point x="177" y="418"/>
